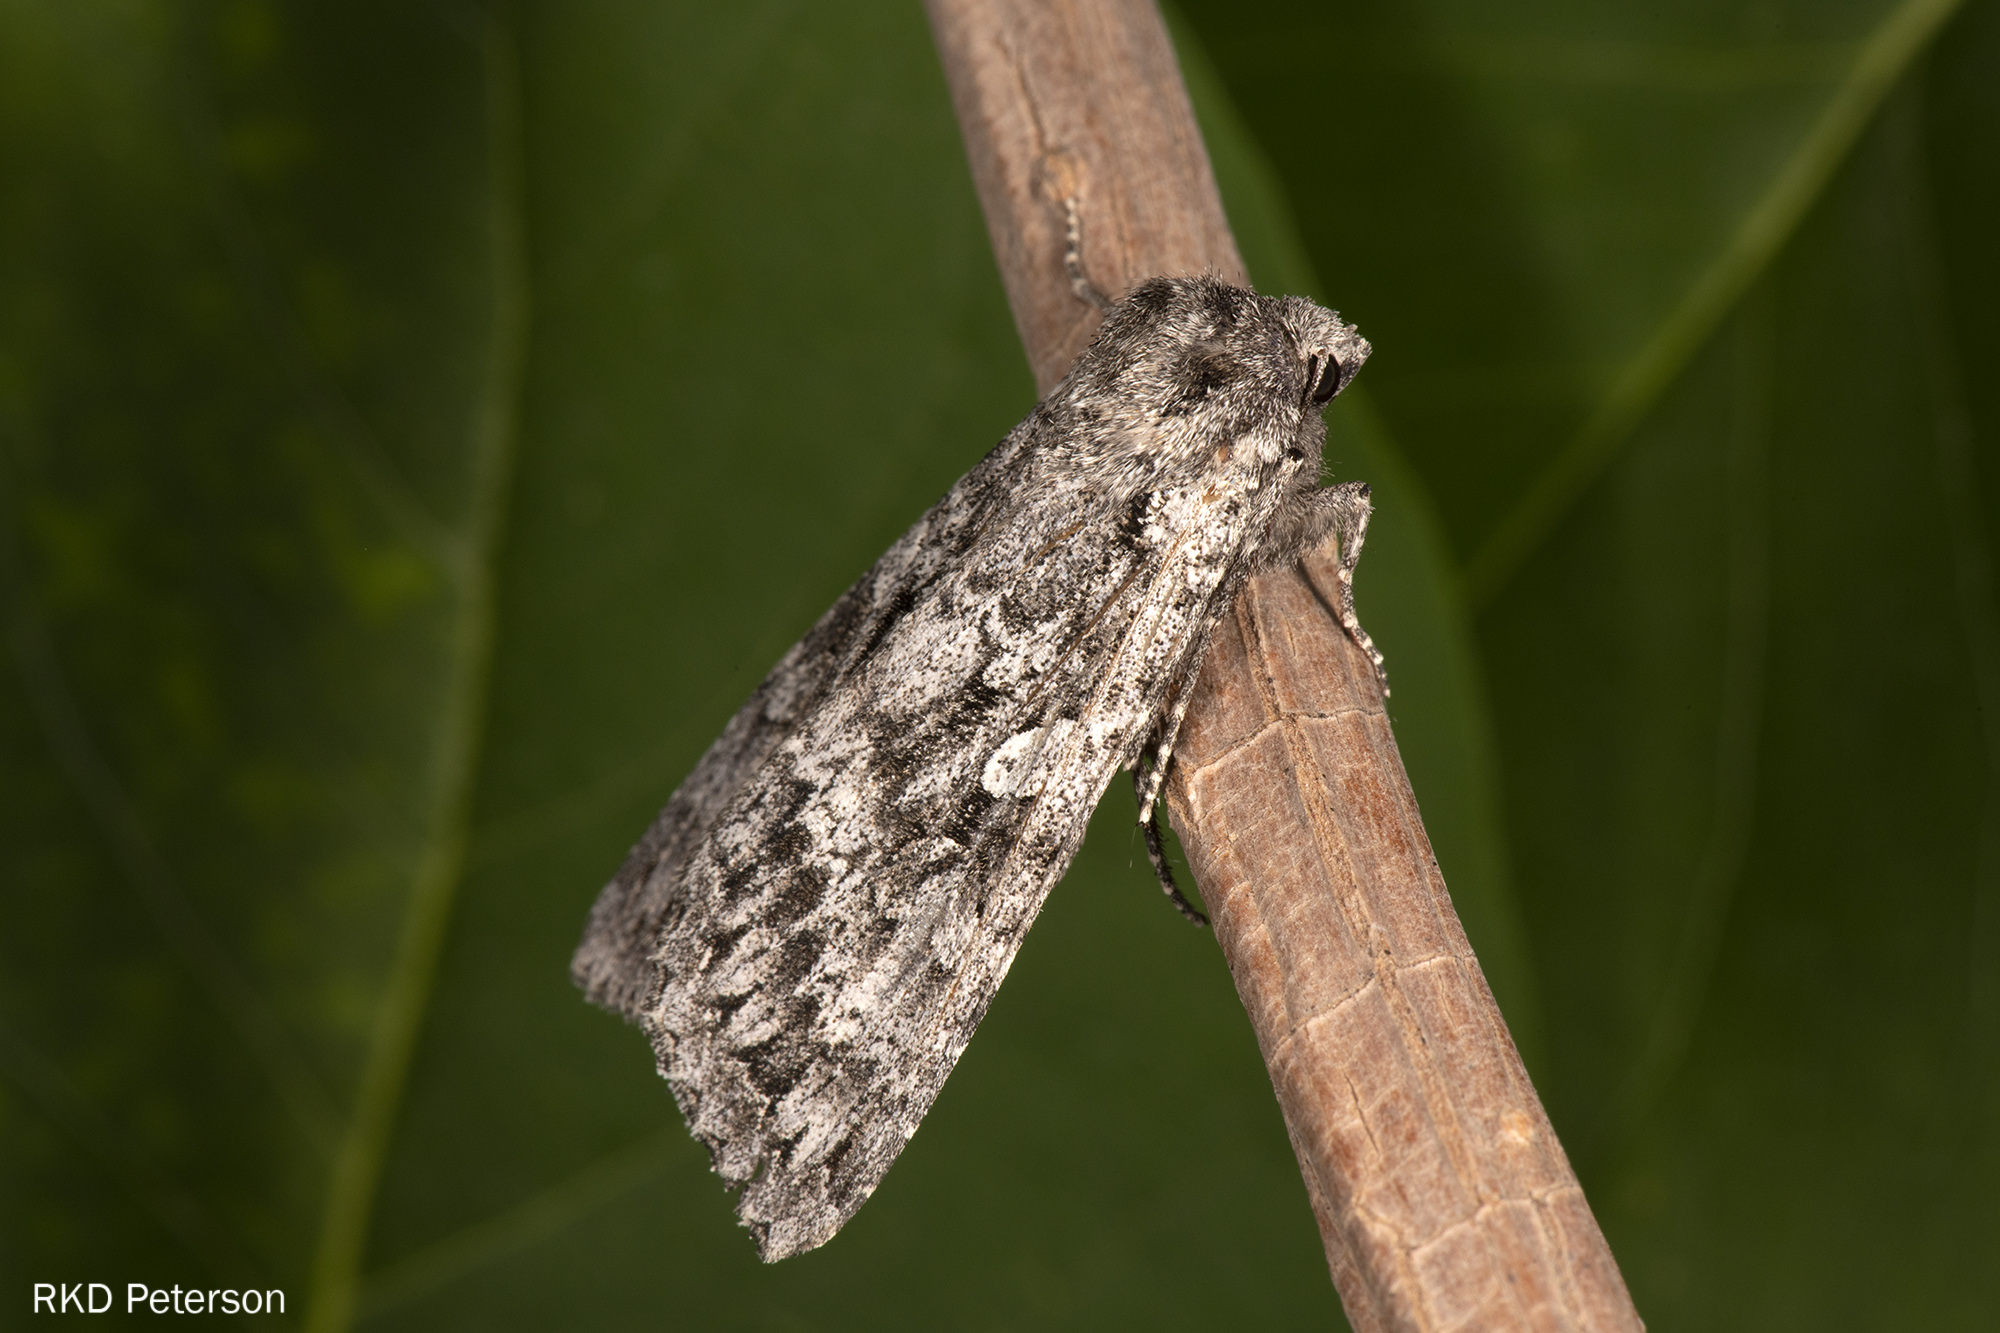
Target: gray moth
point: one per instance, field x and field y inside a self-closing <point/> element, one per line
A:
<point x="818" y="919"/>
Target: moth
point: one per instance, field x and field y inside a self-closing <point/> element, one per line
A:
<point x="818" y="919"/>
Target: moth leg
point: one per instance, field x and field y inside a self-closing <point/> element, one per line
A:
<point x="1348" y="509"/>
<point x="1148" y="781"/>
<point x="1156" y="851"/>
<point x="1079" y="281"/>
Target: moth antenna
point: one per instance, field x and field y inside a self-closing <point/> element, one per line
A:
<point x="1156" y="852"/>
<point x="1079" y="282"/>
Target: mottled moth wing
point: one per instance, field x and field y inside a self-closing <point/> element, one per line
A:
<point x="817" y="922"/>
<point x="615" y="964"/>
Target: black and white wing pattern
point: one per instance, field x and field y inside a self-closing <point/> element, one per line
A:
<point x="817" y="921"/>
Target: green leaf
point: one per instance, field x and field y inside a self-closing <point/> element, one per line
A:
<point x="423" y="428"/>
<point x="420" y="426"/>
<point x="1685" y="316"/>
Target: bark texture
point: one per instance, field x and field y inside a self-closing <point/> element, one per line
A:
<point x="1442" y="1195"/>
<point x="1080" y="101"/>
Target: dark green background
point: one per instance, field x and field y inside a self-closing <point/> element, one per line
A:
<point x="422" y="424"/>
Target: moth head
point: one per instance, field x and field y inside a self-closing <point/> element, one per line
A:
<point x="1185" y="372"/>
<point x="1330" y="352"/>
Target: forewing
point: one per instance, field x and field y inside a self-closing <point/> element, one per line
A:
<point x="614" y="964"/>
<point x="842" y="929"/>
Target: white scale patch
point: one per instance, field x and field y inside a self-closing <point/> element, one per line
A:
<point x="1012" y="769"/>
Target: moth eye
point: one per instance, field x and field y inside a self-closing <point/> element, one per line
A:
<point x="1329" y="383"/>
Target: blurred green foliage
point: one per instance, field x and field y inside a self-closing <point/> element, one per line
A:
<point x="422" y="424"/>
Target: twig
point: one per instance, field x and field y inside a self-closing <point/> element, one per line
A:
<point x="1441" y="1193"/>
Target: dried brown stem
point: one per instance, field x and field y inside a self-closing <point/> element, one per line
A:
<point x="1441" y="1193"/>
